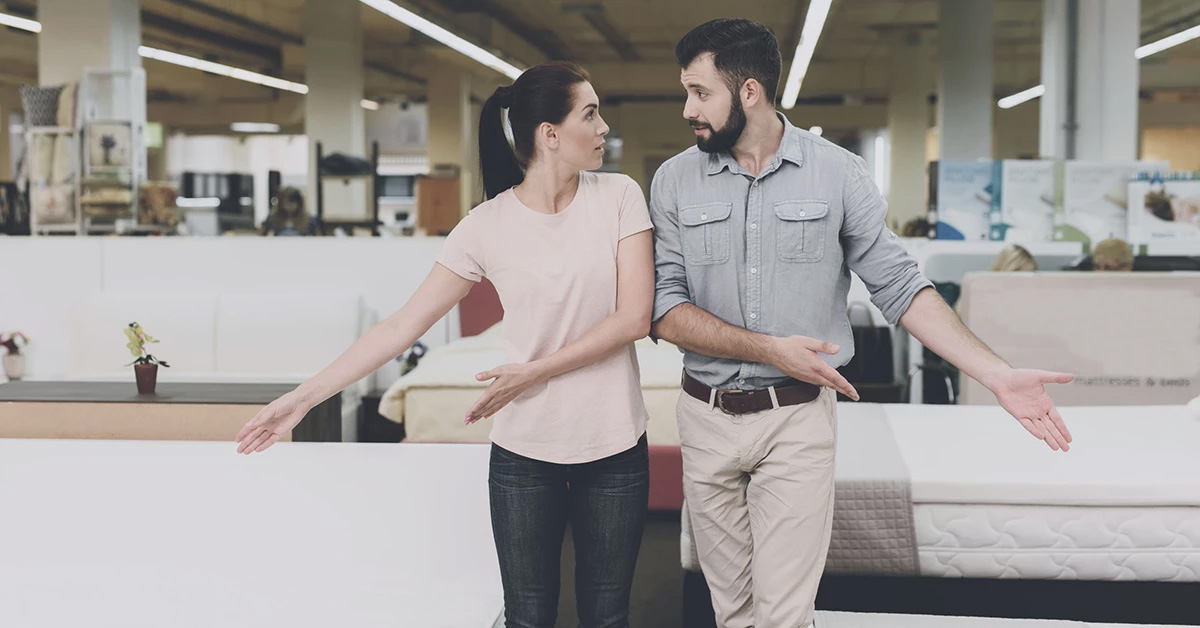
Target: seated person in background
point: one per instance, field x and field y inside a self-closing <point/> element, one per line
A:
<point x="1014" y="259"/>
<point x="916" y="228"/>
<point x="288" y="217"/>
<point x="1113" y="254"/>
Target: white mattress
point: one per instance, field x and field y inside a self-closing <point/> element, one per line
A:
<point x="188" y="534"/>
<point x="991" y="501"/>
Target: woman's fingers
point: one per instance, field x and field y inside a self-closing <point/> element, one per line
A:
<point x="270" y="441"/>
<point x="263" y="437"/>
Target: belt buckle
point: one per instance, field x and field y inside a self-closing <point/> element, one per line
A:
<point x="721" y="401"/>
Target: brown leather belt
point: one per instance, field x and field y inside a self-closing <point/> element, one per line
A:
<point x="789" y="393"/>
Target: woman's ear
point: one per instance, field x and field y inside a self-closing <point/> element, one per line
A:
<point x="548" y="135"/>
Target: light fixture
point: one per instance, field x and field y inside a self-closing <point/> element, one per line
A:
<point x="203" y="202"/>
<point x="370" y="104"/>
<point x="19" y="22"/>
<point x="221" y="69"/>
<point x="254" y="127"/>
<point x="1167" y="42"/>
<point x="1008" y="102"/>
<point x="816" y="130"/>
<point x="814" y="22"/>
<point x="1141" y="52"/>
<point x="439" y="34"/>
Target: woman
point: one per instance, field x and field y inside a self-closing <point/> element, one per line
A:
<point x="570" y="254"/>
<point x="288" y="216"/>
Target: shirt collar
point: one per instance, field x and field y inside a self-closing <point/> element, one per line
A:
<point x="789" y="149"/>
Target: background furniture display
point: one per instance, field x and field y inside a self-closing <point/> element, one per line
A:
<point x="179" y="411"/>
<point x="438" y="202"/>
<point x="216" y="203"/>
<point x="326" y="167"/>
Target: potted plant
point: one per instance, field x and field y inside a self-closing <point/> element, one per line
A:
<point x="14" y="362"/>
<point x="145" y="367"/>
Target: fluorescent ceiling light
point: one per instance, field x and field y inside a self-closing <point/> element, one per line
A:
<point x="221" y="69"/>
<point x="816" y="130"/>
<point x="1008" y="102"/>
<point x="20" y="22"/>
<point x="1141" y="53"/>
<point x="814" y="22"/>
<point x="424" y="26"/>
<point x="254" y="127"/>
<point x="370" y="104"/>
<point x="1167" y="42"/>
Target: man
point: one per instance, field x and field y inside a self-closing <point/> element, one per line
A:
<point x="756" y="231"/>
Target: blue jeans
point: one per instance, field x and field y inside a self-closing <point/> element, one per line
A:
<point x="605" y="502"/>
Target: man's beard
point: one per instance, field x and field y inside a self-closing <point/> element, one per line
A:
<point x="723" y="140"/>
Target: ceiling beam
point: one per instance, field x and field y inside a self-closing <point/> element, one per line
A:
<point x="272" y="54"/>
<point x="240" y="20"/>
<point x="544" y="40"/>
<point x="615" y="38"/>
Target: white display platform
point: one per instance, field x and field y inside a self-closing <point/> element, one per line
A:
<point x="147" y="534"/>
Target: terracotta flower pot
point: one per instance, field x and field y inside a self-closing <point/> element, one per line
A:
<point x="14" y="366"/>
<point x="147" y="378"/>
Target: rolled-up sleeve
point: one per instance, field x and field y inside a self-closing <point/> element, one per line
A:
<point x="670" y="276"/>
<point x="872" y="251"/>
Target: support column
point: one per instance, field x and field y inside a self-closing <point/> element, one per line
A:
<point x="10" y="101"/>
<point x="97" y="33"/>
<point x="333" y="114"/>
<point x="1090" y="108"/>
<point x="908" y="122"/>
<point x="450" y="126"/>
<point x="965" y="96"/>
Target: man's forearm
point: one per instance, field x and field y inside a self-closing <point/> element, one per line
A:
<point x="930" y="320"/>
<point x="698" y="331"/>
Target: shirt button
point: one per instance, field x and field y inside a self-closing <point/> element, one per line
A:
<point x="753" y="315"/>
<point x="801" y="213"/>
<point x="705" y="216"/>
<point x="753" y="270"/>
<point x="753" y="225"/>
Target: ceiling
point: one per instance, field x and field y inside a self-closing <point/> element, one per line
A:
<point x="626" y="44"/>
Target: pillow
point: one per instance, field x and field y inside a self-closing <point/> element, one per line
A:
<point x="41" y="104"/>
<point x="66" y="105"/>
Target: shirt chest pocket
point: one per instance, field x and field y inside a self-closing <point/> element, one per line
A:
<point x="800" y="230"/>
<point x="705" y="232"/>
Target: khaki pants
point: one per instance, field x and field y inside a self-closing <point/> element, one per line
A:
<point x="759" y="491"/>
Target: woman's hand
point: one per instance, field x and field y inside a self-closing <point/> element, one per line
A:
<point x="272" y="423"/>
<point x="510" y="381"/>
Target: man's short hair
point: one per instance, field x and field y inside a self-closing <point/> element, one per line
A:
<point x="742" y="50"/>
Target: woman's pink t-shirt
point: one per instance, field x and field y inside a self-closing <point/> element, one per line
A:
<point x="556" y="275"/>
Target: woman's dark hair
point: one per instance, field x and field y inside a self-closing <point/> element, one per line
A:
<point x="742" y="50"/>
<point x="542" y="93"/>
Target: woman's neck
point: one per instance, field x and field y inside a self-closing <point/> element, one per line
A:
<point x="547" y="189"/>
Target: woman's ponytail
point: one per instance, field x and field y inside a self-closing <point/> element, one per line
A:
<point x="498" y="163"/>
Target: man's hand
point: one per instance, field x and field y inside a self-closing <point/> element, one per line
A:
<point x="799" y="357"/>
<point x="1022" y="393"/>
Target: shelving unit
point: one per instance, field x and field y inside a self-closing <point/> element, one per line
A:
<point x="112" y="112"/>
<point x="42" y="186"/>
<point x="327" y="226"/>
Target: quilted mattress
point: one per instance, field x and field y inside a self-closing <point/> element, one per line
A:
<point x="989" y="501"/>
